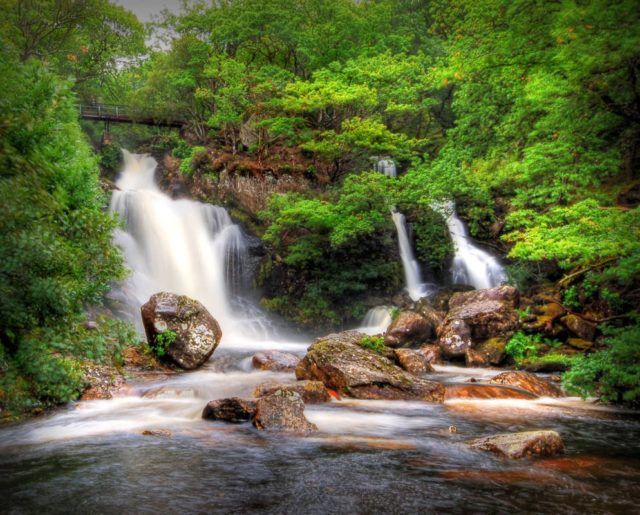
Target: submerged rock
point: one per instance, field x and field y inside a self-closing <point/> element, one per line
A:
<point x="194" y="333"/>
<point x="311" y="392"/>
<point x="408" y="328"/>
<point x="521" y="445"/>
<point x="413" y="361"/>
<point x="275" y="361"/>
<point x="282" y="411"/>
<point x="529" y="382"/>
<point x="342" y="365"/>
<point x="478" y="315"/>
<point x="485" y="391"/>
<point x="234" y="409"/>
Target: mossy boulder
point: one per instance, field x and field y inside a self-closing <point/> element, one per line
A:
<point x="343" y="365"/>
<point x="195" y="334"/>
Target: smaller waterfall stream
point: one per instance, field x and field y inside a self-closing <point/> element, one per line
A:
<point x="471" y="264"/>
<point x="413" y="279"/>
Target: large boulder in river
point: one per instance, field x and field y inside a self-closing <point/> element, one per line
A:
<point x="487" y="353"/>
<point x="407" y="329"/>
<point x="191" y="334"/>
<point x="343" y="365"/>
<point x="282" y="411"/>
<point x="234" y="409"/>
<point x="478" y="315"/>
<point x="521" y="445"/>
<point x="529" y="382"/>
<point x="275" y="361"/>
<point x="311" y="392"/>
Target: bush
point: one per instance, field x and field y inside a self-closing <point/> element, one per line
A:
<point x="612" y="374"/>
<point x="374" y="343"/>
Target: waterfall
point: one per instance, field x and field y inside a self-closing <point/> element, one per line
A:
<point x="180" y="246"/>
<point x="413" y="280"/>
<point x="471" y="265"/>
<point x="376" y="320"/>
<point x="387" y="167"/>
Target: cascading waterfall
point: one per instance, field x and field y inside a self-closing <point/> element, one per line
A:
<point x="387" y="167"/>
<point x="471" y="265"/>
<point x="376" y="320"/>
<point x="181" y="246"/>
<point x="415" y="287"/>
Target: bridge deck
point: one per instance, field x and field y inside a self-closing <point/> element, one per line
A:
<point x="122" y="114"/>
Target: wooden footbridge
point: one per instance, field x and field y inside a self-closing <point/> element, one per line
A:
<point x="111" y="113"/>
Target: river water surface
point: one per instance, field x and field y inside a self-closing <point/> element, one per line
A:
<point x="366" y="457"/>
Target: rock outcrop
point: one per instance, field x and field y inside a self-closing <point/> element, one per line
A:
<point x="478" y="315"/>
<point x="487" y="353"/>
<point x="282" y="411"/>
<point x="529" y="382"/>
<point x="191" y="333"/>
<point x="275" y="361"/>
<point x="311" y="392"/>
<point x="521" y="445"/>
<point x="234" y="409"/>
<point x="407" y="329"/>
<point x="342" y="365"/>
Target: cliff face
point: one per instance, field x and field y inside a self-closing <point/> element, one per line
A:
<point x="244" y="183"/>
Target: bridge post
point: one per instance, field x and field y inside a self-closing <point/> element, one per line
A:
<point x="106" y="135"/>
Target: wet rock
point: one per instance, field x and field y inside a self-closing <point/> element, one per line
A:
<point x="282" y="411"/>
<point x="485" y="391"/>
<point x="529" y="382"/>
<point x="164" y="433"/>
<point x="579" y="343"/>
<point x="275" y="360"/>
<point x="311" y="392"/>
<point x="521" y="445"/>
<point x="552" y="310"/>
<point x="432" y="353"/>
<point x="486" y="353"/>
<point x="580" y="327"/>
<point x="434" y="316"/>
<point x="234" y="409"/>
<point x="454" y="338"/>
<point x="478" y="315"/>
<point x="342" y="365"/>
<point x="413" y="361"/>
<point x="408" y="328"/>
<point x="440" y="300"/>
<point x="197" y="333"/>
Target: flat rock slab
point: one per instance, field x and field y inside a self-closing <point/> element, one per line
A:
<point x="529" y="382"/>
<point x="521" y="445"/>
<point x="311" y="392"/>
<point x="485" y="391"/>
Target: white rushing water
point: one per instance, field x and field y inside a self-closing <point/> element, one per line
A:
<point x="413" y="279"/>
<point x="376" y="320"/>
<point x="471" y="264"/>
<point x="387" y="167"/>
<point x="184" y="247"/>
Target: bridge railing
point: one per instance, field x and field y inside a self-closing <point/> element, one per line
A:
<point x="122" y="113"/>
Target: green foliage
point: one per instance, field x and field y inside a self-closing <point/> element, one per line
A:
<point x="163" y="341"/>
<point x="570" y="298"/>
<point x="612" y="374"/>
<point x="395" y="312"/>
<point x="186" y="165"/>
<point x="523" y="346"/>
<point x="374" y="343"/>
<point x="337" y="249"/>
